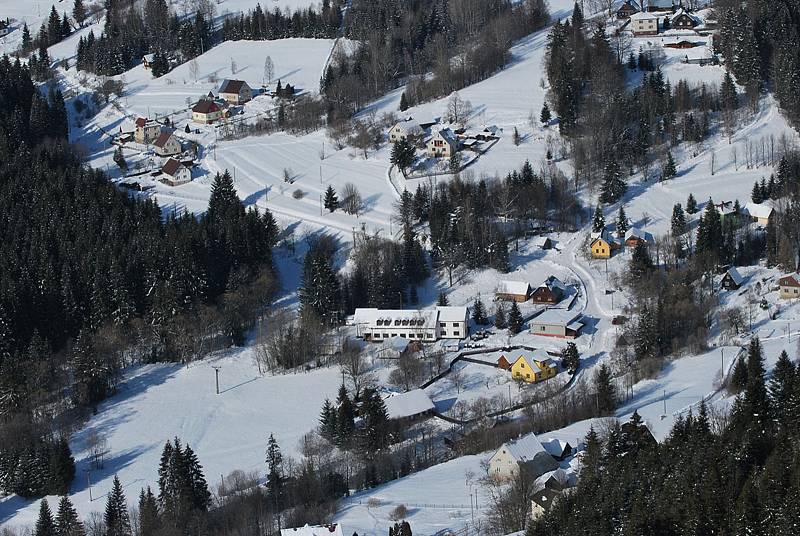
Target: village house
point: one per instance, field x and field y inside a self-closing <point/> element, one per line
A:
<point x="147" y="61"/>
<point x="525" y="453"/>
<point x="602" y="245"/>
<point x="426" y="325"/>
<point x="628" y="8"/>
<point x="557" y="448"/>
<point x="559" y="323"/>
<point x="517" y="291"/>
<point x="408" y="130"/>
<point x="551" y="291"/>
<point x="761" y="213"/>
<point x="683" y="20"/>
<point x="503" y="363"/>
<point x="732" y="279"/>
<point x="146" y="130"/>
<point x="167" y="144"/>
<point x="682" y="43"/>
<point x="635" y="236"/>
<point x="175" y="173"/>
<point x="409" y="407"/>
<point x="443" y="144"/>
<point x="644" y="23"/>
<point x="206" y="112"/>
<point x="235" y="91"/>
<point x="662" y="5"/>
<point x="542" y="242"/>
<point x="334" y="529"/>
<point x="542" y="501"/>
<point x="789" y="286"/>
<point x="397" y="347"/>
<point x="532" y="367"/>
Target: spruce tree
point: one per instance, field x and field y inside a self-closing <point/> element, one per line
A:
<point x="403" y="102"/>
<point x="756" y="396"/>
<point x="200" y="495"/>
<point x="756" y="196"/>
<point x="44" y="524"/>
<point x="515" y="320"/>
<point x="149" y="522"/>
<point x="67" y="521"/>
<point x="606" y="391"/>
<point x="116" y="517"/>
<point x="599" y="220"/>
<point x="403" y="154"/>
<point x="622" y="222"/>
<point x="79" y="12"/>
<point x="544" y="116"/>
<point x="678" y="220"/>
<point x="570" y="358"/>
<point x="331" y="201"/>
<point x="669" y="171"/>
<point x="500" y="316"/>
<point x="478" y="312"/>
<point x="614" y="186"/>
<point x="442" y="300"/>
<point x="27" y="41"/>
<point x="275" y="478"/>
<point x="641" y="265"/>
<point x="345" y="418"/>
<point x="781" y="387"/>
<point x="375" y="422"/>
<point x="319" y="286"/>
<point x="691" y="204"/>
<point x="709" y="231"/>
<point x="327" y="421"/>
<point x="738" y="379"/>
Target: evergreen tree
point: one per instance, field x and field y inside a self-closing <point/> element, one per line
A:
<point x="27" y="41"/>
<point x="709" y="231"/>
<point x="44" y="524"/>
<point x="691" y="205"/>
<point x="739" y="376"/>
<point x="403" y="154"/>
<point x="403" y="102"/>
<point x="53" y="28"/>
<point x="319" y="286"/>
<point x="641" y="265"/>
<point x="544" y="116"/>
<point x="478" y="312"/>
<point x="160" y="65"/>
<point x="345" y="418"/>
<point x="442" y="300"/>
<point x="606" y="390"/>
<point x="327" y="421"/>
<point x="149" y="522"/>
<point x="67" y="521"/>
<point x="274" y="473"/>
<point x="116" y="516"/>
<point x="375" y="430"/>
<point x="756" y="396"/>
<point x="200" y="495"/>
<point x="570" y="358"/>
<point x="515" y="320"/>
<point x="500" y="316"/>
<point x="331" y="201"/>
<point x="614" y="186"/>
<point x="669" y="171"/>
<point x="61" y="467"/>
<point x="599" y="220"/>
<point x="678" y="220"/>
<point x="757" y="195"/>
<point x="781" y="387"/>
<point x="622" y="222"/>
<point x="646" y="343"/>
<point x="79" y="12"/>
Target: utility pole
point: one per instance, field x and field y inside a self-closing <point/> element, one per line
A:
<point x="89" y="483"/>
<point x="722" y="367"/>
<point x="216" y="373"/>
<point x="664" y="398"/>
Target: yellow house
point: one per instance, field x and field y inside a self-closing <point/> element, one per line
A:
<point x="532" y="367"/>
<point x="602" y="245"/>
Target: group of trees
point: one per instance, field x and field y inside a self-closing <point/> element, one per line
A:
<point x="259" y="24"/>
<point x="732" y="475"/>
<point x="32" y="466"/>
<point x="337" y="422"/>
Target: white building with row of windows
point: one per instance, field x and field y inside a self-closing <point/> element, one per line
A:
<point x="424" y="325"/>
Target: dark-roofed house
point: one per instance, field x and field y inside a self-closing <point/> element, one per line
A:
<point x="542" y="501"/>
<point x="146" y="131"/>
<point x="551" y="291"/>
<point x="206" y="111"/>
<point x="167" y="144"/>
<point x="682" y="20"/>
<point x="235" y="91"/>
<point x="732" y="279"/>
<point x="628" y="8"/>
<point x="503" y="363"/>
<point x="175" y="173"/>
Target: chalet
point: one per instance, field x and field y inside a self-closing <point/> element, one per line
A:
<point x="488" y="133"/>
<point x="557" y="448"/>
<point x="517" y="291"/>
<point x="532" y="367"/>
<point x="146" y="131"/>
<point x="409" y="407"/>
<point x="175" y="173"/>
<point x="635" y="236"/>
<point x="235" y="91"/>
<point x="789" y="286"/>
<point x="760" y="213"/>
<point x="526" y="453"/>
<point x="542" y="501"/>
<point x="559" y="323"/>
<point x="542" y="242"/>
<point x="683" y="20"/>
<point x="167" y="144"/>
<point x="551" y="291"/>
<point x="602" y="245"/>
<point x="662" y="5"/>
<point x="443" y="144"/>
<point x="206" y="112"/>
<point x="147" y="61"/>
<point x="732" y="279"/>
<point x="406" y="130"/>
<point x="424" y="325"/>
<point x="334" y="529"/>
<point x="644" y="23"/>
<point x="503" y="363"/>
<point x="628" y="8"/>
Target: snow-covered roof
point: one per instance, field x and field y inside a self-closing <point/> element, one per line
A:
<point x="396" y="344"/>
<point x="696" y="20"/>
<point x="334" y="529"/>
<point x="400" y="405"/>
<point x="531" y="356"/>
<point x="540" y="241"/>
<point x="560" y="317"/>
<point x="410" y="127"/>
<point x="641" y="234"/>
<point x="149" y="58"/>
<point x="643" y="15"/>
<point x="788" y="278"/>
<point x="513" y="287"/>
<point x="421" y="319"/>
<point x="545" y="498"/>
<point x="452" y="313"/>
<point x="554" y="283"/>
<point x="660" y="3"/>
<point x="735" y="275"/>
<point x="758" y="210"/>
<point x="524" y="448"/>
<point x="447" y="135"/>
<point x="555" y="447"/>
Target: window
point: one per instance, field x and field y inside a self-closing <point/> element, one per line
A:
<point x="385" y="335"/>
<point x="442" y="325"/>
<point x="456" y="334"/>
<point x="430" y="335"/>
<point x="527" y="375"/>
<point x="522" y="365"/>
<point x="542" y="328"/>
<point x="455" y="324"/>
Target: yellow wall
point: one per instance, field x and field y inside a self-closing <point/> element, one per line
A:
<point x="521" y="370"/>
<point x="601" y="249"/>
<point x="546" y="371"/>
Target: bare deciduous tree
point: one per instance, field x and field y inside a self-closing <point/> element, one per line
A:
<point x="458" y="109"/>
<point x="269" y="70"/>
<point x="352" y="203"/>
<point x="194" y="68"/>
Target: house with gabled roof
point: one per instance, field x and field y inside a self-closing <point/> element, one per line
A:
<point x="602" y="245"/>
<point x="551" y="291"/>
<point x="442" y="144"/>
<point x="760" y="213"/>
<point x="146" y="130"/>
<point x="421" y="325"/>
<point x="542" y="501"/>
<point x="628" y="8"/>
<point x="525" y="453"/>
<point x="560" y="323"/>
<point x="635" y="236"/>
<point x="532" y="366"/>
<point x="408" y="130"/>
<point x="518" y="291"/>
<point x="175" y="173"/>
<point x="732" y="279"/>
<point x="167" y="144"/>
<point x="411" y="406"/>
<point x="789" y="286"/>
<point x="683" y="20"/>
<point x="644" y="23"/>
<point x="206" y="111"/>
<point x="235" y="91"/>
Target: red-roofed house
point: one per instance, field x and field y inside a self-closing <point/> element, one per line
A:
<point x="146" y="131"/>
<point x="175" y="173"/>
<point x="206" y="111"/>
<point x="167" y="144"/>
